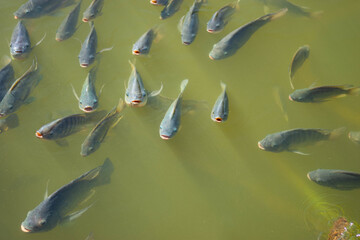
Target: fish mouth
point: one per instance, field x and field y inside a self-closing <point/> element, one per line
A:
<point x="84" y="65"/>
<point x="261" y="146"/>
<point x="136" y="52"/>
<point x="165" y="137"/>
<point x="2" y="115"/>
<point x="88" y="109"/>
<point x="154" y="2"/>
<point x="211" y="31"/>
<point x="85" y="20"/>
<point x="136" y="102"/>
<point x="58" y="39"/>
<point x="290" y="98"/>
<point x="186" y="43"/>
<point x="39" y="135"/>
<point x="24" y="229"/>
<point x="16" y="17"/>
<point x="218" y="119"/>
<point x="211" y="57"/>
<point x="19" y="52"/>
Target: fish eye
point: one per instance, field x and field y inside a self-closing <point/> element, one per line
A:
<point x="127" y="94"/>
<point x="175" y="129"/>
<point x="42" y="222"/>
<point x="144" y="94"/>
<point x="80" y="102"/>
<point x="95" y="101"/>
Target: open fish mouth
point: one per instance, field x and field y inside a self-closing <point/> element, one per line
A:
<point x="154" y="2"/>
<point x="261" y="146"/>
<point x="39" y="135"/>
<point x="218" y="119"/>
<point x="2" y="115"/>
<point x="84" y="65"/>
<point x="136" y="52"/>
<point x="165" y="137"/>
<point x="24" y="229"/>
<point x="58" y="39"/>
<point x="88" y="109"/>
<point x="18" y="51"/>
<point x="211" y="57"/>
<point x="85" y="20"/>
<point x="16" y="17"/>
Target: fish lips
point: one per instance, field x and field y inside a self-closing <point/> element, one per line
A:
<point x="261" y="146"/>
<point x="136" y="52"/>
<point x="88" y="109"/>
<point x="39" y="135"/>
<point x="24" y="229"/>
<point x="165" y="137"/>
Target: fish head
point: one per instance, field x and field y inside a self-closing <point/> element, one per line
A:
<point x="88" y="147"/>
<point x="135" y="98"/>
<point x="89" y="15"/>
<point x="48" y="131"/>
<point x="300" y="95"/>
<point x="86" y="60"/>
<point x="214" y="26"/>
<point x="140" y="49"/>
<point x="219" y="117"/>
<point x="20" y="51"/>
<point x="316" y="176"/>
<point x="40" y="219"/>
<point x="187" y="39"/>
<point x="218" y="52"/>
<point x="88" y="103"/>
<point x="168" y="130"/>
<point x="272" y="143"/>
<point x="158" y="2"/>
<point x="28" y="10"/>
<point x="7" y="105"/>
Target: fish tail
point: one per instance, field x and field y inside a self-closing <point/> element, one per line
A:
<point x="278" y="14"/>
<point x="223" y="86"/>
<point x="337" y="133"/>
<point x="183" y="85"/>
<point x="105" y="172"/>
<point x="132" y="64"/>
<point x="354" y="91"/>
<point x="236" y="5"/>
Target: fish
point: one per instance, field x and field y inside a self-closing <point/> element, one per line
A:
<point x="170" y="124"/>
<point x="293" y="8"/>
<point x="228" y="45"/>
<point x="221" y="17"/>
<point x="159" y="2"/>
<point x="69" y="25"/>
<point x="289" y="140"/>
<point x="189" y="23"/>
<point x="323" y="93"/>
<point x="170" y="9"/>
<point x="354" y="136"/>
<point x="39" y="8"/>
<point x="56" y="208"/>
<point x="93" y="141"/>
<point x="6" y="77"/>
<point x="93" y="10"/>
<point x="135" y="93"/>
<point x="66" y="126"/>
<point x="19" y="91"/>
<point x="337" y="179"/>
<point x="88" y="100"/>
<point x="10" y="122"/>
<point x="297" y="61"/>
<point x="220" y="111"/>
<point x="143" y="44"/>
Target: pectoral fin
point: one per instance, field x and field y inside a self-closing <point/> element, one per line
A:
<point x="62" y="142"/>
<point x="298" y="152"/>
<point x="75" y="215"/>
<point x="46" y="190"/>
<point x="157" y="92"/>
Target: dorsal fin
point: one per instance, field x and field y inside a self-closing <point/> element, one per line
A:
<point x="33" y="67"/>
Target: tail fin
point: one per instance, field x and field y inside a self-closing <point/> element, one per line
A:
<point x="223" y="86"/>
<point x="337" y="133"/>
<point x="183" y="85"/>
<point x="278" y="14"/>
<point x="105" y="172"/>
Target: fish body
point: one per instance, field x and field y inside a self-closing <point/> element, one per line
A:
<point x="159" y="2"/>
<point x="170" y="124"/>
<point x="66" y="126"/>
<point x="293" y="8"/>
<point x="6" y="78"/>
<point x="93" y="10"/>
<point x="354" y="136"/>
<point x="143" y="44"/>
<point x="323" y="93"/>
<point x="221" y="17"/>
<point x="338" y="179"/>
<point x="171" y="8"/>
<point x="220" y="111"/>
<point x="297" y="61"/>
<point x="88" y="49"/>
<point x="69" y="25"/>
<point x="190" y="23"/>
<point x="228" y="45"/>
<point x="289" y="140"/>
<point x="98" y="133"/>
<point x="88" y="100"/>
<point x="20" y="44"/>
<point x="10" y="122"/>
<point x="135" y="93"/>
<point x="38" y="8"/>
<point x="19" y="91"/>
<point x="55" y="208"/>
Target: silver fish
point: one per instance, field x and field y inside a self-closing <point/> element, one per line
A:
<point x="293" y="8"/>
<point x="221" y="17"/>
<point x="220" y="111"/>
<point x="135" y="93"/>
<point x="228" y="45"/>
<point x="189" y="23"/>
<point x="56" y="208"/>
<point x="338" y="179"/>
<point x="98" y="133"/>
<point x="19" y="91"/>
<point x="38" y="8"/>
<point x="6" y="77"/>
<point x="297" y="61"/>
<point x="171" y="8"/>
<point x="93" y="10"/>
<point x="143" y="44"/>
<point x="170" y="124"/>
<point x="69" y="25"/>
<point x="88" y="49"/>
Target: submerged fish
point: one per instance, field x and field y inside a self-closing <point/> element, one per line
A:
<point x="56" y="208"/>
<point x="338" y="179"/>
<point x="38" y="8"/>
<point x="10" y="122"/>
<point x="171" y="8"/>
<point x="355" y="137"/>
<point x="66" y="126"/>
<point x="19" y="91"/>
<point x="143" y="44"/>
<point x="135" y="93"/>
<point x="170" y="124"/>
<point x="98" y="133"/>
<point x="228" y="45"/>
<point x="159" y="2"/>
<point x="221" y="17"/>
<point x="220" y="111"/>
<point x="189" y="23"/>
<point x="88" y="49"/>
<point x="93" y="10"/>
<point x="289" y="140"/>
<point x="323" y="93"/>
<point x="6" y="77"/>
<point x="293" y="8"/>
<point x="297" y="61"/>
<point x="68" y="27"/>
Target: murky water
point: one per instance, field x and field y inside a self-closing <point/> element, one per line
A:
<point x="211" y="181"/>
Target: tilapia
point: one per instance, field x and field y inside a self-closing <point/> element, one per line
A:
<point x="143" y="44"/>
<point x="39" y="8"/>
<point x="171" y="8"/>
<point x="220" y="111"/>
<point x="189" y="24"/>
<point x="56" y="208"/>
<point x="93" y="11"/>
<point x="228" y="45"/>
<point x="6" y="77"/>
<point x="338" y="179"/>
<point x="10" y="122"/>
<point x="221" y="17"/>
<point x="69" y="25"/>
<point x="297" y="61"/>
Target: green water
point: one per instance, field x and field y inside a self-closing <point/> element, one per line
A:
<point x="211" y="181"/>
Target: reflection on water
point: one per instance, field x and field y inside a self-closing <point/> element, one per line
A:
<point x="210" y="181"/>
